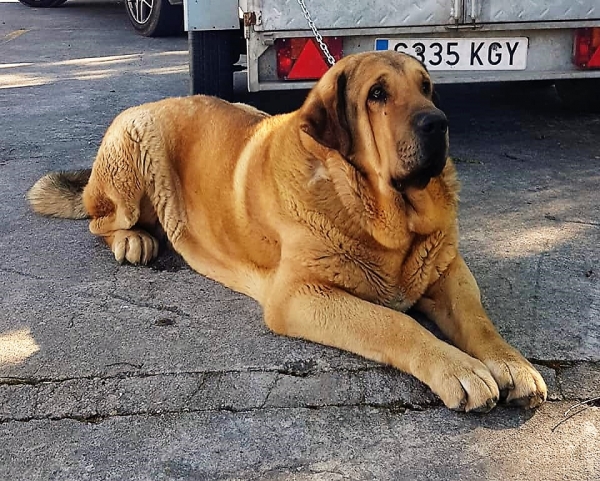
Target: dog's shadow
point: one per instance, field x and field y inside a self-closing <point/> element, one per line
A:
<point x="168" y="261"/>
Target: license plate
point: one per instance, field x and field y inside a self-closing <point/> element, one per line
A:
<point x="462" y="53"/>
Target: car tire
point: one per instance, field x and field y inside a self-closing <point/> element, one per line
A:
<point x="212" y="55"/>
<point x="579" y="94"/>
<point x="42" y="3"/>
<point x="155" y="18"/>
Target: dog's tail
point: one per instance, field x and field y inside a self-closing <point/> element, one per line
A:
<point x="60" y="194"/>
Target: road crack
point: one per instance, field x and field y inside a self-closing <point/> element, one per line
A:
<point x="149" y="305"/>
<point x="9" y="270"/>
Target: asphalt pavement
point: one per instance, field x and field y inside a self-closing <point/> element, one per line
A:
<point x="112" y="372"/>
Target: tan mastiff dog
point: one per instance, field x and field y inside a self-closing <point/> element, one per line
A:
<point x="336" y="218"/>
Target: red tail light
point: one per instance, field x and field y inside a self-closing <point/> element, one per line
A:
<point x="302" y="58"/>
<point x="586" y="51"/>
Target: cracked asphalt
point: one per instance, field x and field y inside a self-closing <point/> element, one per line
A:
<point x="114" y="372"/>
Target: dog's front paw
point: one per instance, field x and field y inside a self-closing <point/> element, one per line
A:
<point x="463" y="382"/>
<point x="134" y="246"/>
<point x="519" y="382"/>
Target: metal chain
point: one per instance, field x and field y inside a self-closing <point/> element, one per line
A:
<point x="318" y="37"/>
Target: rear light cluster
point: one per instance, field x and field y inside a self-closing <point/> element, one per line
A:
<point x="586" y="51"/>
<point x="302" y="58"/>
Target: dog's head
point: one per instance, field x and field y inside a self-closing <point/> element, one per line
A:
<point x="377" y="110"/>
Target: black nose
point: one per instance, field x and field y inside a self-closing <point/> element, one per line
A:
<point x="431" y="122"/>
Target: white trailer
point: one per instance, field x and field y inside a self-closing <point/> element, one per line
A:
<point x="458" y="40"/>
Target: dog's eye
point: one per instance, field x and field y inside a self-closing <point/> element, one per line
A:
<point x="426" y="87"/>
<point x="377" y="93"/>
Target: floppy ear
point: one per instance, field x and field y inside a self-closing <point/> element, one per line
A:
<point x="325" y="115"/>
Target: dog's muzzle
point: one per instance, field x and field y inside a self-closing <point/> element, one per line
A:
<point x="431" y="130"/>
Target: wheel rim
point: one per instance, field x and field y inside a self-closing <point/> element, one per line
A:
<point x="140" y="10"/>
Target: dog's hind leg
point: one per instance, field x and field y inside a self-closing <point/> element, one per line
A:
<point x="117" y="200"/>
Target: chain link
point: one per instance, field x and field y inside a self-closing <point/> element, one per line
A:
<point x="315" y="31"/>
